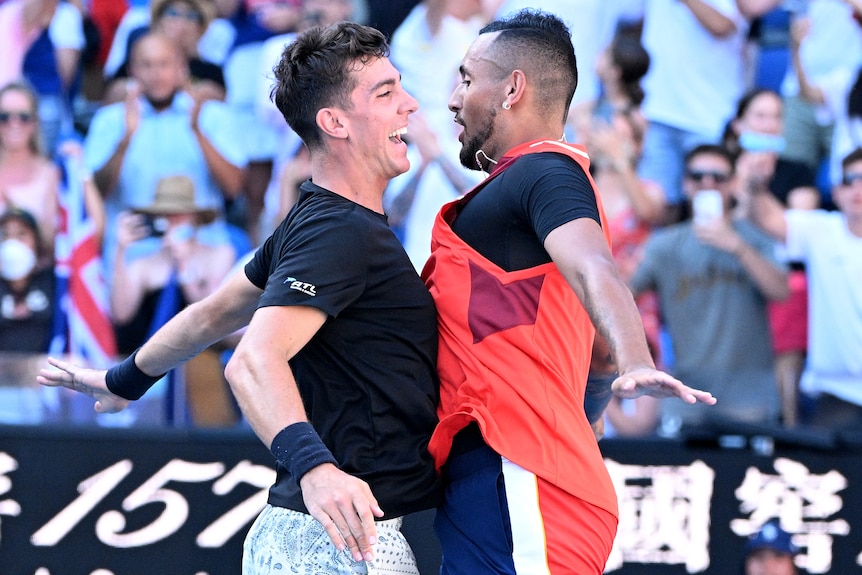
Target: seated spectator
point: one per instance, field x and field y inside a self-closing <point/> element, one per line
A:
<point x="830" y="245"/>
<point x="713" y="276"/>
<point x="160" y="132"/>
<point x="28" y="179"/>
<point x="26" y="287"/>
<point x="184" y="22"/>
<point x="181" y="263"/>
<point x="147" y="291"/>
<point x="770" y="551"/>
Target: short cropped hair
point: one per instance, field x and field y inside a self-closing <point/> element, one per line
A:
<point x="539" y="44"/>
<point x="314" y="72"/>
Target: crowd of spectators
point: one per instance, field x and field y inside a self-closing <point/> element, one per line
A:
<point x="723" y="137"/>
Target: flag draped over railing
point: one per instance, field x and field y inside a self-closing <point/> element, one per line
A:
<point x="82" y="324"/>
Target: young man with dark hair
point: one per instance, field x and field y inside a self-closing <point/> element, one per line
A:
<point x="523" y="278"/>
<point x="335" y="371"/>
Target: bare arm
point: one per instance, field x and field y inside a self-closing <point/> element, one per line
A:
<point x="108" y="176"/>
<point x="809" y="91"/>
<point x="128" y="285"/>
<point x="228" y="176"/>
<point x="194" y="329"/>
<point x="266" y="390"/>
<point x="711" y="19"/>
<point x="767" y="212"/>
<point x="579" y="250"/>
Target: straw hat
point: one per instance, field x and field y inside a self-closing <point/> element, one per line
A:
<point x="176" y="195"/>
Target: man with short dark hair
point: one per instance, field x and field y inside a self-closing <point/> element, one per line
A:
<point x="335" y="371"/>
<point x="713" y="274"/>
<point x="522" y="276"/>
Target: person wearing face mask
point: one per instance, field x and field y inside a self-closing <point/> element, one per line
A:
<point x="26" y="288"/>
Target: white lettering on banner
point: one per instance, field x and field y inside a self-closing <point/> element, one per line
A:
<point x="664" y="514"/>
<point x="175" y="512"/>
<point x="803" y="501"/>
<point x="8" y="507"/>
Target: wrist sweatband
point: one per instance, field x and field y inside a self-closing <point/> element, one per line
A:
<point x="128" y="381"/>
<point x="299" y="449"/>
<point x="598" y="395"/>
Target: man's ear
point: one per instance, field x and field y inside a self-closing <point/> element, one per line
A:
<point x="515" y="86"/>
<point x="331" y="122"/>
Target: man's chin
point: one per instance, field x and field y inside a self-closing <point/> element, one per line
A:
<point x="161" y="102"/>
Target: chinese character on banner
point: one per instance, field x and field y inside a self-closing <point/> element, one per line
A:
<point x="8" y="507"/>
<point x="82" y="326"/>
<point x="803" y="501"/>
<point x="664" y="514"/>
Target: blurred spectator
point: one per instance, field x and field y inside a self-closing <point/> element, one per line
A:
<point x="163" y="131"/>
<point x="265" y="207"/>
<point x="53" y="65"/>
<point x="713" y="276"/>
<point x="770" y="551"/>
<point x="41" y="40"/>
<point x="28" y="180"/>
<point x="755" y="135"/>
<point x="698" y="44"/>
<point x="427" y="49"/>
<point x="26" y="287"/>
<point x="830" y="245"/>
<point x="147" y="291"/>
<point x="826" y="47"/>
<point x="184" y="22"/>
<point x="613" y="129"/>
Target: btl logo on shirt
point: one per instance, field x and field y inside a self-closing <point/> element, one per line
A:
<point x="306" y="288"/>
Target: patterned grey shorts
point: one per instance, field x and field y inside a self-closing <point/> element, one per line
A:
<point x="286" y="542"/>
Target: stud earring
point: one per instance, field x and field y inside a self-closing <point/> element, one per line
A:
<point x="507" y="105"/>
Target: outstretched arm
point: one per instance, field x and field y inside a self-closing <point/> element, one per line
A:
<point x="579" y="250"/>
<point x="184" y="336"/>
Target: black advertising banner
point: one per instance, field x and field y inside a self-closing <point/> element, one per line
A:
<point x="90" y="501"/>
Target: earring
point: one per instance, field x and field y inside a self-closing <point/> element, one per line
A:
<point x="507" y="105"/>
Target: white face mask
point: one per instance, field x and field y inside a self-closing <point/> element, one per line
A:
<point x="16" y="260"/>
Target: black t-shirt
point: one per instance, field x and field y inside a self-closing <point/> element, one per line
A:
<point x="368" y="378"/>
<point x="508" y="220"/>
<point x="31" y="332"/>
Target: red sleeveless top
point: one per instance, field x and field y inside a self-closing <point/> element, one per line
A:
<point x="514" y="353"/>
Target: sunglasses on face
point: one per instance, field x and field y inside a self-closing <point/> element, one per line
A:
<point x="191" y="16"/>
<point x="23" y="117"/>
<point x="851" y="178"/>
<point x="700" y="175"/>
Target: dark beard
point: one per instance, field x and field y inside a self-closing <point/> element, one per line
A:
<point x="473" y="145"/>
<point x="162" y="104"/>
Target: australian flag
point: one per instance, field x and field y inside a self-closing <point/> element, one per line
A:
<point x="82" y="326"/>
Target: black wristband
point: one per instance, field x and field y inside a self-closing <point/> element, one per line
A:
<point x="299" y="449"/>
<point x="127" y="380"/>
<point x="598" y="395"/>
